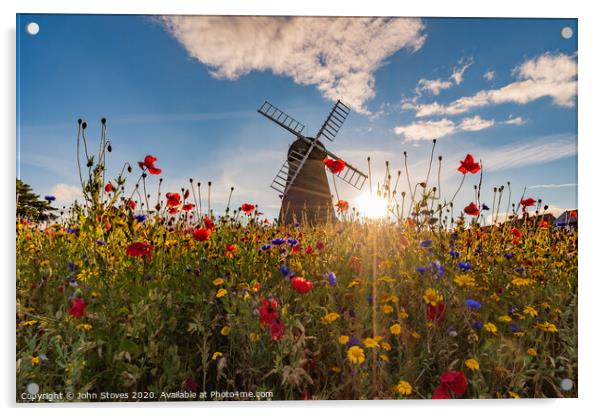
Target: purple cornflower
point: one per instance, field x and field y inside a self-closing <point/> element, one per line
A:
<point x="426" y="243"/>
<point x="354" y="342"/>
<point x="464" y="265"/>
<point x="278" y="241"/>
<point x="454" y="254"/>
<point x="332" y="279"/>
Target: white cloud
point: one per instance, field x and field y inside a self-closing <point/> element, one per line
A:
<point x="434" y="86"/>
<point x="517" y="121"/>
<point x="66" y="194"/>
<point x="553" y="185"/>
<point x="337" y="55"/>
<point x="458" y="74"/>
<point x="475" y="123"/>
<point x="426" y="130"/>
<point x="489" y="75"/>
<point x="548" y="75"/>
<point x="556" y="211"/>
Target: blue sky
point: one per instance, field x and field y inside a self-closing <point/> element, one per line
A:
<point x="186" y="89"/>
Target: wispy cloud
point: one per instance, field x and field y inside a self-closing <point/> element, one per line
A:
<point x="542" y="150"/>
<point x="553" y="185"/>
<point x="435" y="86"/>
<point x="548" y="75"/>
<point x="337" y="55"/>
<point x="489" y="75"/>
<point x="437" y="129"/>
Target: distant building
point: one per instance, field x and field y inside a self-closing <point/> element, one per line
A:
<point x="567" y="219"/>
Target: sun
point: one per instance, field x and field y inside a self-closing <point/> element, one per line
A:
<point x="371" y="206"/>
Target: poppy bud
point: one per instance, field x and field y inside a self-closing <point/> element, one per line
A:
<point x="368" y="158"/>
<point x="79" y="121"/>
<point x="144" y="175"/>
<point x="109" y="148"/>
<point x="103" y="120"/>
<point x="440" y="158"/>
<point x="129" y="169"/>
<point x="190" y="180"/>
<point x="434" y="141"/>
<point x="545" y="207"/>
<point x="84" y="125"/>
<point x="209" y="183"/>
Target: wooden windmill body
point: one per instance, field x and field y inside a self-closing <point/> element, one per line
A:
<point x="301" y="181"/>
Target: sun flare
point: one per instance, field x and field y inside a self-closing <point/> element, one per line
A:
<point x="371" y="206"/>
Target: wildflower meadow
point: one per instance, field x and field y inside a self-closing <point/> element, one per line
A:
<point x="139" y="294"/>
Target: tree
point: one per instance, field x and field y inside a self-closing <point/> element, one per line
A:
<point x="30" y="206"/>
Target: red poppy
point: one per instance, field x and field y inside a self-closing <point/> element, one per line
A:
<point x="139" y="249"/>
<point x="277" y="329"/>
<point x="335" y="166"/>
<point x="132" y="204"/>
<point x="296" y="249"/>
<point x="301" y="284"/>
<point x="320" y="245"/>
<point x="191" y="385"/>
<point x="247" y="208"/>
<point x="173" y="199"/>
<point x="342" y="206"/>
<point x="436" y="314"/>
<point x="109" y="187"/>
<point x="544" y="224"/>
<point x="355" y="264"/>
<point x="469" y="165"/>
<point x="256" y="287"/>
<point x="187" y="207"/>
<point x="267" y="312"/>
<point x="201" y="234"/>
<point x="309" y="250"/>
<point x="472" y="209"/>
<point x="173" y="211"/>
<point x="516" y="233"/>
<point x="451" y="382"/>
<point x="149" y="163"/>
<point x="529" y="202"/>
<point x="208" y="222"/>
<point x="78" y="307"/>
<point x="573" y="214"/>
<point x="186" y="194"/>
<point x="231" y="247"/>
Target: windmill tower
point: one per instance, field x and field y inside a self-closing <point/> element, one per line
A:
<point x="301" y="181"/>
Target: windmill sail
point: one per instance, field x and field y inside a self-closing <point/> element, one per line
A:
<point x="281" y="118"/>
<point x="353" y="176"/>
<point x="334" y="121"/>
<point x="290" y="169"/>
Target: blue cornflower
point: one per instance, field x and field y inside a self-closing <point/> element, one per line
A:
<point x="438" y="269"/>
<point x="71" y="231"/>
<point x="100" y="242"/>
<point x="286" y="272"/>
<point x="464" y="265"/>
<point x="187" y="269"/>
<point x="477" y="325"/>
<point x="426" y="243"/>
<point x="514" y="328"/>
<point x="508" y="256"/>
<point x="369" y="299"/>
<point x="472" y="304"/>
<point x="266" y="247"/>
<point x="520" y="269"/>
<point x="454" y="254"/>
<point x="455" y="236"/>
<point x="484" y="207"/>
<point x="140" y="217"/>
<point x="332" y="279"/>
<point x="293" y="242"/>
<point x="72" y="282"/>
<point x="278" y="241"/>
<point x="72" y="266"/>
<point x="421" y="269"/>
<point x="297" y="225"/>
<point x="511" y="310"/>
<point x="478" y="250"/>
<point x="49" y="198"/>
<point x="354" y="342"/>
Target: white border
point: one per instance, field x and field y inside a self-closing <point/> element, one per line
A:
<point x="589" y="154"/>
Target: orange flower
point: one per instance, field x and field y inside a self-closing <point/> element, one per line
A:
<point x="342" y="206"/>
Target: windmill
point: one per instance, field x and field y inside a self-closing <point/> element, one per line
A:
<point x="301" y="181"/>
